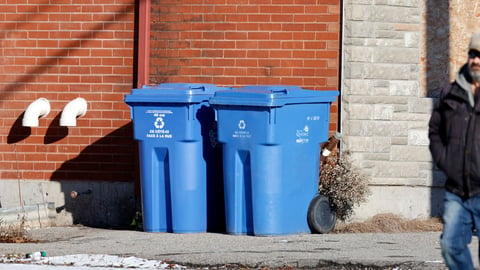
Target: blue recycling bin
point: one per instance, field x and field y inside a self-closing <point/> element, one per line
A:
<point x="271" y="139"/>
<point x="180" y="158"/>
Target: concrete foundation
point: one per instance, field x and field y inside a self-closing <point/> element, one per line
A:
<point x="49" y="203"/>
<point x="410" y="202"/>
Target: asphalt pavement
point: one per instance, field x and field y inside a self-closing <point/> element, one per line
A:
<point x="223" y="251"/>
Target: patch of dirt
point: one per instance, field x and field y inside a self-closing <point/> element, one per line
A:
<point x="390" y="223"/>
<point x="14" y="233"/>
<point x="14" y="239"/>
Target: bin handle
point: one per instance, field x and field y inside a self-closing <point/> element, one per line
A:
<point x="281" y="91"/>
<point x="200" y="87"/>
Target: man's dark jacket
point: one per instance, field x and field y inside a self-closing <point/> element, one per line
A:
<point x="454" y="133"/>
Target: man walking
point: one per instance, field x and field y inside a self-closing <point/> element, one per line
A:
<point x="454" y="133"/>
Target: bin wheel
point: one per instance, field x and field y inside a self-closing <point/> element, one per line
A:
<point x="321" y="215"/>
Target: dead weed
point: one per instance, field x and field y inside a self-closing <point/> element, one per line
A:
<point x="390" y="223"/>
<point x="345" y="184"/>
<point x="14" y="233"/>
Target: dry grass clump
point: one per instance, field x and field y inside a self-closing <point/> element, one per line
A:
<point x="343" y="183"/>
<point x="13" y="233"/>
<point x="347" y="187"/>
<point x="390" y="223"/>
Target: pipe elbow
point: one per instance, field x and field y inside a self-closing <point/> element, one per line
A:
<point x="37" y="109"/>
<point x="74" y="109"/>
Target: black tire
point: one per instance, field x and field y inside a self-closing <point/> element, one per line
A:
<point x="321" y="215"/>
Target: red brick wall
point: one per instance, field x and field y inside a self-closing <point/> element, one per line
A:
<point x="66" y="49"/>
<point x="61" y="50"/>
<point x="242" y="42"/>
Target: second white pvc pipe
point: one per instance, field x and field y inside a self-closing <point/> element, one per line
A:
<point x="74" y="109"/>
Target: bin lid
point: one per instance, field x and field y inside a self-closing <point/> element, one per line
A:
<point x="173" y="93"/>
<point x="271" y="96"/>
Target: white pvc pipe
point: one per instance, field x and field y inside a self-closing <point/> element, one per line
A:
<point x="37" y="109"/>
<point x="74" y="109"/>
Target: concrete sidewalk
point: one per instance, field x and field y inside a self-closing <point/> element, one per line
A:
<point x="314" y="251"/>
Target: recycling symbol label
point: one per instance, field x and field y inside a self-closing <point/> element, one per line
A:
<point x="241" y="124"/>
<point x="157" y="129"/>
<point x="241" y="132"/>
<point x="302" y="135"/>
<point x="159" y="123"/>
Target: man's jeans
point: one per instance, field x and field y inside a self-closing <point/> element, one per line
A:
<point x="460" y="217"/>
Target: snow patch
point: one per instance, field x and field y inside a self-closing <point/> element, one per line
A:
<point x="89" y="260"/>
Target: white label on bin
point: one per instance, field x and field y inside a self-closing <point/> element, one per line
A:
<point x="159" y="124"/>
<point x="313" y="117"/>
<point x="241" y="133"/>
<point x="302" y="135"/>
<point x="242" y="124"/>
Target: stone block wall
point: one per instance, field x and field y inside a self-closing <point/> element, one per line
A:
<point x="385" y="111"/>
<point x="397" y="54"/>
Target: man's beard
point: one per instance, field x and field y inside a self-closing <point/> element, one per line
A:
<point x="475" y="74"/>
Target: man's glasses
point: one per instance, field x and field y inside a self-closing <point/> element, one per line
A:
<point x="473" y="53"/>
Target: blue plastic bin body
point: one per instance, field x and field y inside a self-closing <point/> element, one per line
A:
<point x="180" y="158"/>
<point x="271" y="139"/>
